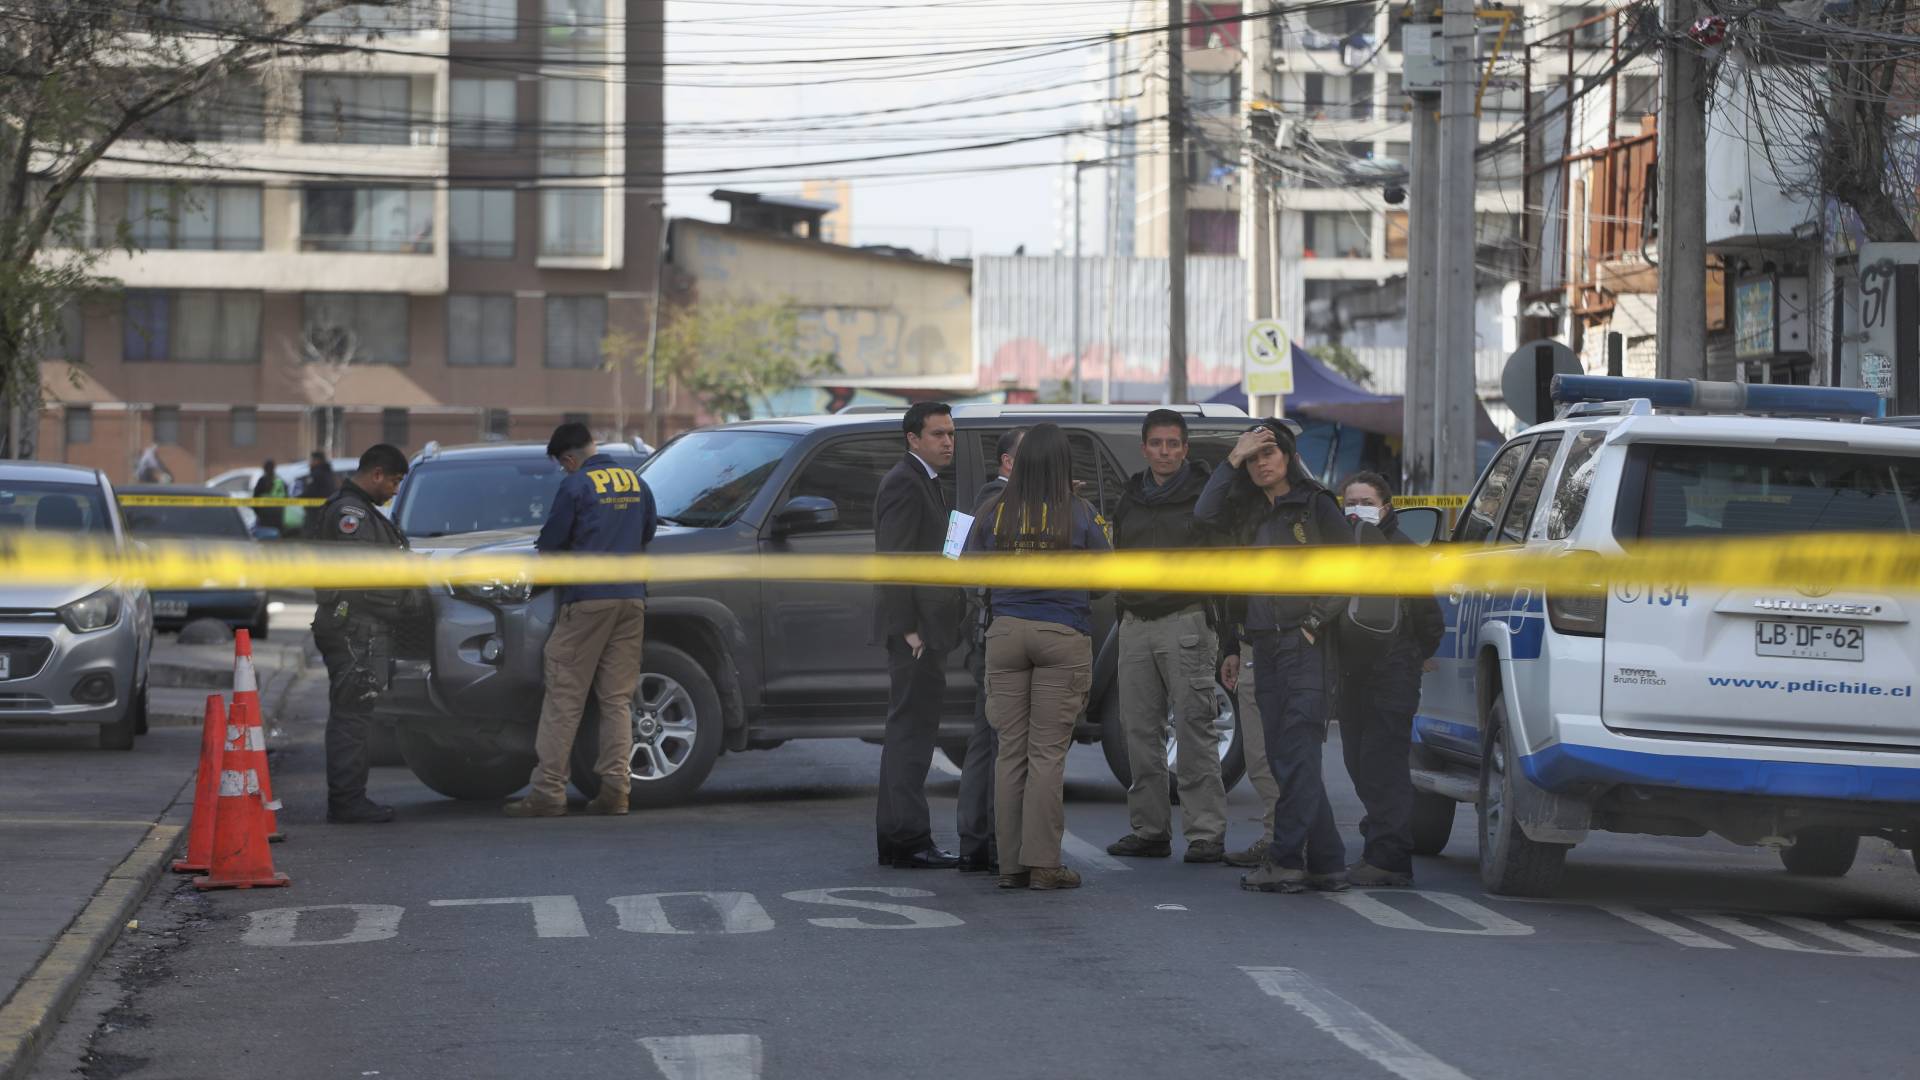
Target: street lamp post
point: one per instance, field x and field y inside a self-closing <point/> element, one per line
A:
<point x="653" y="323"/>
<point x="1079" y="167"/>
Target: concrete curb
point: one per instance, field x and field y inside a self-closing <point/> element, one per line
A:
<point x="29" y="1017"/>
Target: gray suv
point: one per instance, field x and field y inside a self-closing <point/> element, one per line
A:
<point x="739" y="665"/>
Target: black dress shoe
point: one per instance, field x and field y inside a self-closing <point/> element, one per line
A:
<point x="931" y="858"/>
<point x="979" y="864"/>
<point x="365" y="812"/>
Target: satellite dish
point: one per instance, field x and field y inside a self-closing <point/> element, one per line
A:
<point x="1527" y="380"/>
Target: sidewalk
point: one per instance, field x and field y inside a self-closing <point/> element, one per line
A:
<point x="85" y="832"/>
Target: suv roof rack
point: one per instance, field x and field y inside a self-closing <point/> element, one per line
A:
<point x="1618" y="396"/>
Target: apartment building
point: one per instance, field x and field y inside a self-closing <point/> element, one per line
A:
<point x="425" y="236"/>
<point x="1342" y="151"/>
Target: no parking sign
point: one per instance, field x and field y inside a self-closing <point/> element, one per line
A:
<point x="1268" y="365"/>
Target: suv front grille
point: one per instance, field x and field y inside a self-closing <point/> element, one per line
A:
<point x="26" y="655"/>
<point x="413" y="638"/>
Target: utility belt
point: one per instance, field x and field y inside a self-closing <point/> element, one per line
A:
<point x="1190" y="609"/>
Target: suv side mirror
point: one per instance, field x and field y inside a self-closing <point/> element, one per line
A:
<point x="805" y="513"/>
<point x="1422" y="524"/>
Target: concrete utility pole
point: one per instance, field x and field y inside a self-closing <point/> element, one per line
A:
<point x="1453" y="308"/>
<point x="1418" y="428"/>
<point x="1079" y="170"/>
<point x="1681" y="324"/>
<point x="1176" y="203"/>
<point x="1257" y="127"/>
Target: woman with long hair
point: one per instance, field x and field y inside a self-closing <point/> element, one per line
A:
<point x="1039" y="659"/>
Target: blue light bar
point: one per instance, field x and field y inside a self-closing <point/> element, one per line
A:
<point x="1731" y="397"/>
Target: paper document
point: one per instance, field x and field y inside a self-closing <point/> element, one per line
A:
<point x="958" y="526"/>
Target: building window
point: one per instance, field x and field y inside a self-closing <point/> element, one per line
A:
<point x="1206" y="168"/>
<point x="1213" y="232"/>
<point x="194" y="217"/>
<point x="244" y="422"/>
<point x="483" y="114"/>
<point x="573" y="26"/>
<point x="573" y="221"/>
<point x="499" y="423"/>
<point x="482" y="223"/>
<point x="1337" y="234"/>
<point x="367" y="219"/>
<point x="79" y="424"/>
<point x="393" y="427"/>
<point x="575" y="325"/>
<point x="1213" y="26"/>
<point x="356" y="328"/>
<point x="357" y="109"/>
<point x="166" y="425"/>
<point x="1216" y="94"/>
<point x="573" y="127"/>
<point x="231" y="111"/>
<point x="65" y="339"/>
<point x="372" y="20"/>
<point x="191" y="326"/>
<point x="480" y="330"/>
<point x="1639" y="95"/>
<point x="485" y="20"/>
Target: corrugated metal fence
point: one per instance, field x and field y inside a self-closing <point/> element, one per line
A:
<point x="1023" y="323"/>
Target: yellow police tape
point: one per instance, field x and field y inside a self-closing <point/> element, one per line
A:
<point x="1444" y="502"/>
<point x="1812" y="564"/>
<point x="213" y="500"/>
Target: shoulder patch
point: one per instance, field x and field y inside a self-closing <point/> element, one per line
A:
<point x="350" y="518"/>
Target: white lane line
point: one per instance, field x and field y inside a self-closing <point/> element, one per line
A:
<point x="1087" y="853"/>
<point x="1352" y="1025"/>
<point x="944" y="763"/>
<point x="705" y="1057"/>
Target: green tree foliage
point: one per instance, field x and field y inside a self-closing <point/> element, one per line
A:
<point x="733" y="355"/>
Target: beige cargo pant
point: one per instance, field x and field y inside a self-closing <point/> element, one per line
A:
<point x="1253" y="742"/>
<point x="1038" y="674"/>
<point x="595" y="646"/>
<point x="1167" y="672"/>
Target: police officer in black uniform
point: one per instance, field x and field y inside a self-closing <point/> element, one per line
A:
<point x="353" y="630"/>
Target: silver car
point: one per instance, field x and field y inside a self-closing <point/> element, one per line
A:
<point x="72" y="654"/>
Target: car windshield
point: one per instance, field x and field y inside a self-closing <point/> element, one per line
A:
<point x="53" y="507"/>
<point x="706" y="479"/>
<point x="214" y="522"/>
<point x="452" y="496"/>
<point x="1743" y="490"/>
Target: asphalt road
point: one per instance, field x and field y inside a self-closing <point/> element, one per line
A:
<point x="750" y="934"/>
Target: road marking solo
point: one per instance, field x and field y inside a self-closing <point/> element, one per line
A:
<point x="1081" y="851"/>
<point x="1486" y="921"/>
<point x="553" y="916"/>
<point x="1352" y="1025"/>
<point x="918" y="918"/>
<point x="280" y="927"/>
<point x="740" y="912"/>
<point x="705" y="1057"/>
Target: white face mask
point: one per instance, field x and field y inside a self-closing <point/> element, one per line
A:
<point x="1368" y="514"/>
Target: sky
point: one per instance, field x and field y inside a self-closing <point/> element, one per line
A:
<point x="752" y="84"/>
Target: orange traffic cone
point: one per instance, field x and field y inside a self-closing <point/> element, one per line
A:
<point x="240" y="856"/>
<point x="246" y="714"/>
<point x="206" y="790"/>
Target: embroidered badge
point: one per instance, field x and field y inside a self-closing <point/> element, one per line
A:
<point x="350" y="522"/>
<point x="1299" y="532"/>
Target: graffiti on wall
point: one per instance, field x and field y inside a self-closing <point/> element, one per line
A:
<point x="879" y="341"/>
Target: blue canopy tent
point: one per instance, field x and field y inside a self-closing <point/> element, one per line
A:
<point x="1327" y="403"/>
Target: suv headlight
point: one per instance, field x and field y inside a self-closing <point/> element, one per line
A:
<point x="516" y="591"/>
<point x="96" y="612"/>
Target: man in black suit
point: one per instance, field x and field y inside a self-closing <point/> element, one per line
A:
<point x="978" y="855"/>
<point x="918" y="626"/>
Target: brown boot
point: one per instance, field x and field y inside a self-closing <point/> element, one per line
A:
<point x="532" y="807"/>
<point x="1054" y="877"/>
<point x="609" y="802"/>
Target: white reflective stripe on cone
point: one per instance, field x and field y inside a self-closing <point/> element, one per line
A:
<point x="234" y="736"/>
<point x="243" y="680"/>
<point x="234" y="783"/>
<point x="256" y="738"/>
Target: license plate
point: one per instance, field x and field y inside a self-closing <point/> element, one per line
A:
<point x="1810" y="640"/>
<point x="170" y="609"/>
